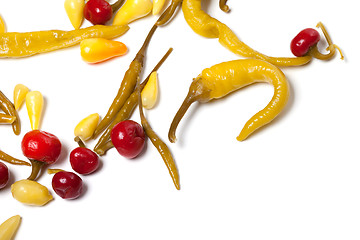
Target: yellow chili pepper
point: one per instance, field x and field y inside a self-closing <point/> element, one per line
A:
<point x="86" y="127"/>
<point x="20" y="92"/>
<point x="95" y="50"/>
<point x="209" y="27"/>
<point x="9" y="227"/>
<point x="158" y="5"/>
<point x="14" y="44"/>
<point x="30" y="192"/>
<point x="34" y="105"/>
<point x="132" y="10"/>
<point x="224" y="78"/>
<point x="2" y="25"/>
<point x="149" y="94"/>
<point x="75" y="11"/>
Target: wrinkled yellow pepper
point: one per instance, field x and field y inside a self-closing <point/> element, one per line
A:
<point x="95" y="50"/>
<point x="2" y="25"/>
<point x="34" y="104"/>
<point x="132" y="10"/>
<point x="75" y="11"/>
<point x="9" y="227"/>
<point x="158" y="5"/>
<point x="86" y="127"/>
<point x="20" y="92"/>
<point x="30" y="192"/>
<point x="149" y="94"/>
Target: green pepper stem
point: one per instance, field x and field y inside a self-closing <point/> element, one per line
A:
<point x="223" y="6"/>
<point x="80" y="142"/>
<point x="36" y="167"/>
<point x="168" y="13"/>
<point x="116" y="5"/>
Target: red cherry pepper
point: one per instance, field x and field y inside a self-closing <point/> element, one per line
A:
<point x="305" y="39"/>
<point x="40" y="148"/>
<point x="67" y="185"/>
<point x="128" y="138"/>
<point x="82" y="159"/>
<point x="100" y="11"/>
<point x="4" y="175"/>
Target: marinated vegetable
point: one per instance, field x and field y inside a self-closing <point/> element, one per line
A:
<point x="132" y="10"/>
<point x="40" y="148"/>
<point x="75" y="11"/>
<point x="4" y="175"/>
<point x="20" y="92"/>
<point x="15" y="44"/>
<point x="67" y="185"/>
<point x="128" y="138"/>
<point x="9" y="227"/>
<point x="34" y="105"/>
<point x="149" y="94"/>
<point x="100" y="11"/>
<point x="169" y="12"/>
<point x="30" y="193"/>
<point x="95" y="50"/>
<point x="7" y="106"/>
<point x="6" y="119"/>
<point x="86" y="127"/>
<point x="82" y="159"/>
<point x="127" y="85"/>
<point x="157" y="6"/>
<point x="221" y="79"/>
<point x="7" y="158"/>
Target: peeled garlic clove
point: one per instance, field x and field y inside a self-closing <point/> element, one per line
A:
<point x="132" y="10"/>
<point x="30" y="192"/>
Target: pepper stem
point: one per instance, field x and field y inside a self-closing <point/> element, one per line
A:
<point x="36" y="167"/>
<point x="331" y="48"/>
<point x="116" y="5"/>
<point x="223" y="6"/>
<point x="80" y="142"/>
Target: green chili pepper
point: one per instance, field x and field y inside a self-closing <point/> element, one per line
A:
<point x="169" y="12"/>
<point x="127" y="85"/>
<point x="8" y="107"/>
<point x="7" y="158"/>
<point x="125" y="112"/>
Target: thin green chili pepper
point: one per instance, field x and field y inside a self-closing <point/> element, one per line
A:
<point x="160" y="146"/>
<point x="168" y="13"/>
<point x="7" y="119"/>
<point x="127" y="85"/>
<point x="8" y="107"/>
<point x="125" y="112"/>
<point x="7" y="158"/>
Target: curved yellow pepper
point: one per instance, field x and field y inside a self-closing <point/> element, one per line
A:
<point x="75" y="11"/>
<point x="221" y="79"/>
<point x="132" y="10"/>
<point x="149" y="94"/>
<point x="34" y="105"/>
<point x="20" y="92"/>
<point x="9" y="227"/>
<point x="209" y="27"/>
<point x="86" y="127"/>
<point x="30" y="192"/>
<point x="95" y="50"/>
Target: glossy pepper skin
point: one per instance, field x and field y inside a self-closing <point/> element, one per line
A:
<point x="8" y="107"/>
<point x="15" y="44"/>
<point x="127" y="85"/>
<point x="34" y="105"/>
<point x="96" y="50"/>
<point x="302" y="42"/>
<point x="7" y="158"/>
<point x="209" y="27"/>
<point x="126" y="111"/>
<point x="9" y="227"/>
<point x="30" y="193"/>
<point x="221" y="79"/>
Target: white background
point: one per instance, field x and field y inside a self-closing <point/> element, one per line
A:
<point x="298" y="178"/>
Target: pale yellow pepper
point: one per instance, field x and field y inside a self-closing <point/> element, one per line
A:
<point x="86" y="127"/>
<point x="158" y="5"/>
<point x="9" y="227"/>
<point x="20" y="92"/>
<point x="132" y="10"/>
<point x="34" y="105"/>
<point x="75" y="11"/>
<point x="2" y="25"/>
<point x="95" y="50"/>
<point x="149" y="94"/>
<point x="30" y="192"/>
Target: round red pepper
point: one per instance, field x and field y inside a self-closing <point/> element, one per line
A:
<point x="304" y="41"/>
